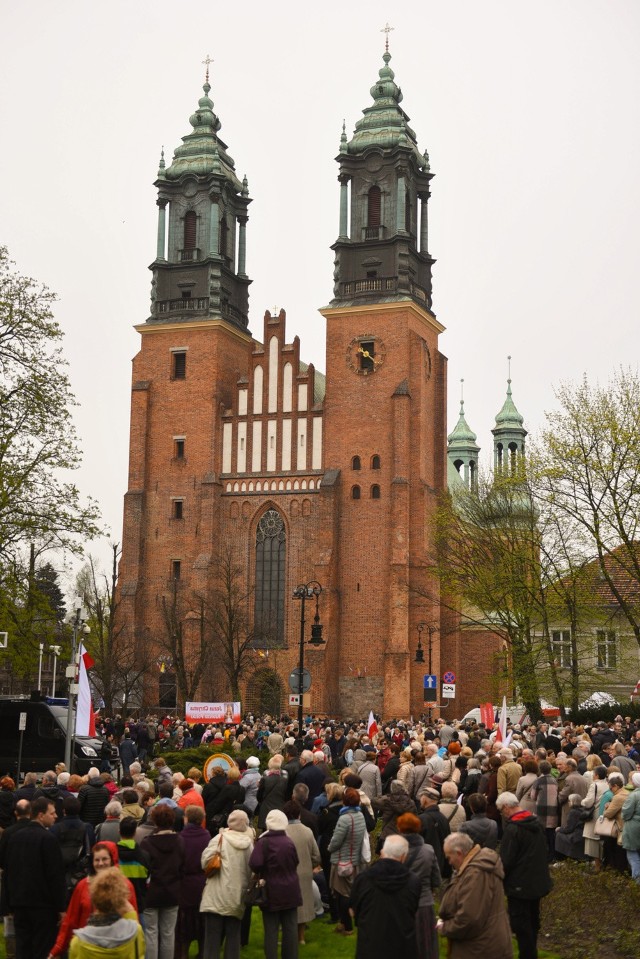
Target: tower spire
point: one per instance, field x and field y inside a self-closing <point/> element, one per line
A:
<point x="509" y="432"/>
<point x="462" y="449"/>
<point x="206" y="63"/>
<point x="387" y="30"/>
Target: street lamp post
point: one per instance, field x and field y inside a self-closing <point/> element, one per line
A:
<point x="56" y="652"/>
<point x="431" y="629"/>
<point x="40" y="667"/>
<point x="303" y="593"/>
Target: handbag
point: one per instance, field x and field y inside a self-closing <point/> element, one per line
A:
<point x="606" y="828"/>
<point x="214" y="865"/>
<point x="256" y="892"/>
<point x="347" y="869"/>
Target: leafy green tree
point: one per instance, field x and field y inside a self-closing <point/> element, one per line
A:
<point x="589" y="476"/>
<point x="38" y="442"/>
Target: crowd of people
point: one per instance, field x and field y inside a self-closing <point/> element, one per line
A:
<point x="356" y="826"/>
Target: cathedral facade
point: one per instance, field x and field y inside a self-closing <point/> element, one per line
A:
<point x="241" y="448"/>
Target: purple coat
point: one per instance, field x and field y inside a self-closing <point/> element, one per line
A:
<point x="195" y="840"/>
<point x="275" y="858"/>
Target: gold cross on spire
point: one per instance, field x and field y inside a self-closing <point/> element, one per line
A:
<point x="206" y="64"/>
<point x="387" y="29"/>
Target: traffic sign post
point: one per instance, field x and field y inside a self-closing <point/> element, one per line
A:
<point x="448" y="690"/>
<point x="294" y="681"/>
<point x="430" y="688"/>
<point x="449" y="677"/>
<point x="294" y="699"/>
<point x="22" y="725"/>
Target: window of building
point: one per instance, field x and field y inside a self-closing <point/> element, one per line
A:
<point x="355" y="492"/>
<point x="375" y="491"/>
<point x="355" y="463"/>
<point x="177" y="509"/>
<point x="224" y="237"/>
<point x="179" y="364"/>
<point x="407" y="212"/>
<point x="607" y="654"/>
<point x="374" y="205"/>
<point x="271" y="552"/>
<point x="366" y="352"/>
<point x="190" y="223"/>
<point x="178" y="448"/>
<point x="176" y="568"/>
<point x="561" y="645"/>
<point x="375" y="462"/>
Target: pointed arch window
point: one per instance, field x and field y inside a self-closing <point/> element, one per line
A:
<point x="374" y="206"/>
<point x="190" y="229"/>
<point x="271" y="551"/>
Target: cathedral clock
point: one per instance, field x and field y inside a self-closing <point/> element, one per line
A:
<point x="365" y="354"/>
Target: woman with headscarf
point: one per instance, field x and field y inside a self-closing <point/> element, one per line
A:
<point x="345" y="848"/>
<point x="422" y="862"/>
<point x="591" y="809"/>
<point x="272" y="791"/>
<point x="104" y="855"/>
<point x="275" y="860"/>
<point x="222" y="902"/>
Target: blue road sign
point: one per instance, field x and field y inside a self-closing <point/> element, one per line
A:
<point x="430" y="689"/>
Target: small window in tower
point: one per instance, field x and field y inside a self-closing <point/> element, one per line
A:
<point x="375" y="462"/>
<point x="375" y="491"/>
<point x="179" y="370"/>
<point x="178" y="449"/>
<point x="407" y="212"/>
<point x="366" y="352"/>
<point x="374" y="204"/>
<point x="355" y="463"/>
<point x="186" y="294"/>
<point x="372" y="274"/>
<point x="224" y="237"/>
<point x="190" y="223"/>
<point x="175" y="569"/>
<point x="178" y="512"/>
<point x="355" y="492"/>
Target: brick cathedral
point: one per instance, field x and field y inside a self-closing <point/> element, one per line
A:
<point x="239" y="446"/>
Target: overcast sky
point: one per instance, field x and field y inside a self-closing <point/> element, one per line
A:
<point x="529" y="112"/>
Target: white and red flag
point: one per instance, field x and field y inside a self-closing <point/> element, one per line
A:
<point x="372" y="726"/>
<point x="85" y="718"/>
<point x="501" y="733"/>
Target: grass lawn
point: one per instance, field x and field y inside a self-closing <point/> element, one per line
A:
<point x="322" y="942"/>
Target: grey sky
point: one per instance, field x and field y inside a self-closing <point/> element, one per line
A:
<point x="529" y="112"/>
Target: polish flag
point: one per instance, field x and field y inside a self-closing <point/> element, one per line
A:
<point x="501" y="732"/>
<point x="85" y="718"/>
<point x="372" y="726"/>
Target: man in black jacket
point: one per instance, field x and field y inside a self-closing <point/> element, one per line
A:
<point x="384" y="902"/>
<point x="435" y="827"/>
<point x="34" y="879"/>
<point x="523" y="851"/>
<point x="93" y="797"/>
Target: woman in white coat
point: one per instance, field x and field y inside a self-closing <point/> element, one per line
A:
<point x="591" y="802"/>
<point x="223" y="897"/>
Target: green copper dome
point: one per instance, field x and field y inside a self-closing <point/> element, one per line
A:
<point x="508" y="418"/>
<point x="462" y="436"/>
<point x="202" y="151"/>
<point x="384" y="124"/>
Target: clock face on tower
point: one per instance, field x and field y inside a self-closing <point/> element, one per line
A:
<point x="365" y="354"/>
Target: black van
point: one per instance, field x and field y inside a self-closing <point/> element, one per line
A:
<point x="44" y="739"/>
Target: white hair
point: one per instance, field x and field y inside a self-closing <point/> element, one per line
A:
<point x="395" y="847"/>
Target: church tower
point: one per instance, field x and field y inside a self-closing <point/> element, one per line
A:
<point x="463" y="451"/>
<point x="508" y="435"/>
<point x="200" y="265"/>
<point x="384" y="412"/>
<point x="195" y="347"/>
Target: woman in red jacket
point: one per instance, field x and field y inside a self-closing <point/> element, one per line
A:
<point x="104" y="855"/>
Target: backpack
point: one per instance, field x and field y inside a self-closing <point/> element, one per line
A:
<point x="73" y="843"/>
